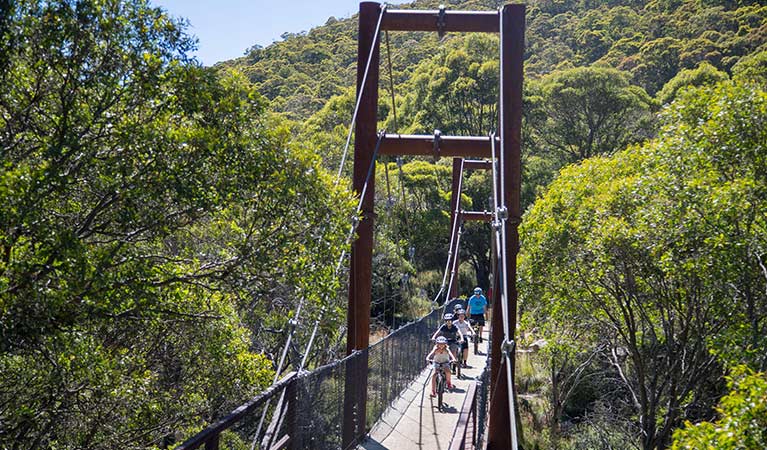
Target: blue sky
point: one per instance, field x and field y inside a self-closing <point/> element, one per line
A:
<point x="226" y="28"/>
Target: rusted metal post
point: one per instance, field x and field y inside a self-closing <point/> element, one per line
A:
<point x="512" y="46"/>
<point x="454" y="217"/>
<point x="360" y="275"/>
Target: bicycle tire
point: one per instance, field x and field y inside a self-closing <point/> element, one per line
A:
<point x="440" y="391"/>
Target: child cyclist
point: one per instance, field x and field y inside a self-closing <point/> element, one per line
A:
<point x="441" y="357"/>
<point x="466" y="330"/>
<point x="451" y="333"/>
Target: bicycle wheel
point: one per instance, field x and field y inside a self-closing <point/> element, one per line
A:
<point x="440" y="391"/>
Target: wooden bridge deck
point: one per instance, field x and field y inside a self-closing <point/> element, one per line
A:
<point x="414" y="422"/>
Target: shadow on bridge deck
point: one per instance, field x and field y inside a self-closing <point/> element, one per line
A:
<point x="413" y="421"/>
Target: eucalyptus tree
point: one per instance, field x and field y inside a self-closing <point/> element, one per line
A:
<point x="146" y="205"/>
<point x="657" y="254"/>
<point x="583" y="112"/>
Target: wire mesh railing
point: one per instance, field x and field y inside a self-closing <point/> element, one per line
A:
<point x="317" y="411"/>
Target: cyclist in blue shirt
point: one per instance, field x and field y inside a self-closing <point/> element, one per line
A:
<point x="477" y="307"/>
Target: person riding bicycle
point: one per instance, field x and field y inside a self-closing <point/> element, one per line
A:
<point x="477" y="306"/>
<point x="466" y="330"/>
<point x="441" y="357"/>
<point x="451" y="333"/>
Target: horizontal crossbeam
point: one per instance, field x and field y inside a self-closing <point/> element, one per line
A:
<point x="477" y="164"/>
<point x="430" y="20"/>
<point x="447" y="146"/>
<point x="482" y="216"/>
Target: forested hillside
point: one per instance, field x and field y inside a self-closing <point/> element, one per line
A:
<point x="642" y="268"/>
<point x="161" y="223"/>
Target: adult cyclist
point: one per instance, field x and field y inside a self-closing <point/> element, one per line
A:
<point x="477" y="307"/>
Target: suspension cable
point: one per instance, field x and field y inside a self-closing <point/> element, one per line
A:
<point x="456" y="231"/>
<point x="353" y="228"/>
<point x="500" y="217"/>
<point x="359" y="95"/>
<point x="294" y="321"/>
<point x="391" y="81"/>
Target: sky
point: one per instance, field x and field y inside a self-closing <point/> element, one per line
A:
<point x="226" y="28"/>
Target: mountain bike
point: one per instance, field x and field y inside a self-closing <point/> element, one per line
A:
<point x="475" y="336"/>
<point x="441" y="384"/>
<point x="455" y="348"/>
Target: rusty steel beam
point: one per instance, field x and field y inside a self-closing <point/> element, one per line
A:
<point x="361" y="257"/>
<point x="447" y="146"/>
<point x="477" y="164"/>
<point x="461" y="21"/>
<point x="480" y="216"/>
<point x="499" y="434"/>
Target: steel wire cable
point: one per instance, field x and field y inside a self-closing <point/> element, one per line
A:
<point x="362" y="90"/>
<point x="500" y="237"/>
<point x="455" y="232"/>
<point x="355" y="223"/>
<point x="391" y="81"/>
<point x="338" y="176"/>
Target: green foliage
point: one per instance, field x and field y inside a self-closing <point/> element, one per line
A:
<point x="752" y="69"/>
<point x="705" y="74"/>
<point x="150" y="211"/>
<point x="655" y="255"/>
<point x="587" y="111"/>
<point x="455" y="91"/>
<point x="743" y="417"/>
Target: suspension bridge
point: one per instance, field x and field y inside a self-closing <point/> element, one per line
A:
<point x="374" y="397"/>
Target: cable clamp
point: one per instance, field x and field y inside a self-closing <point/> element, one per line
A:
<point x="497" y="224"/>
<point x="507" y="347"/>
<point x="503" y="213"/>
<point x="441" y="22"/>
<point x="292" y="323"/>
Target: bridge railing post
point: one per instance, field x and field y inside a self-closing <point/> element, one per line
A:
<point x="212" y="442"/>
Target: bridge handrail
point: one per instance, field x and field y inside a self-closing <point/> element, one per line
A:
<point x="468" y="411"/>
<point x="212" y="432"/>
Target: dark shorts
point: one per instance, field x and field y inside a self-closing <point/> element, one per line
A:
<point x="479" y="319"/>
<point x="464" y="345"/>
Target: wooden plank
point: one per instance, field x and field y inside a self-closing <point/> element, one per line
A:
<point x="448" y="146"/>
<point x="428" y="20"/>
